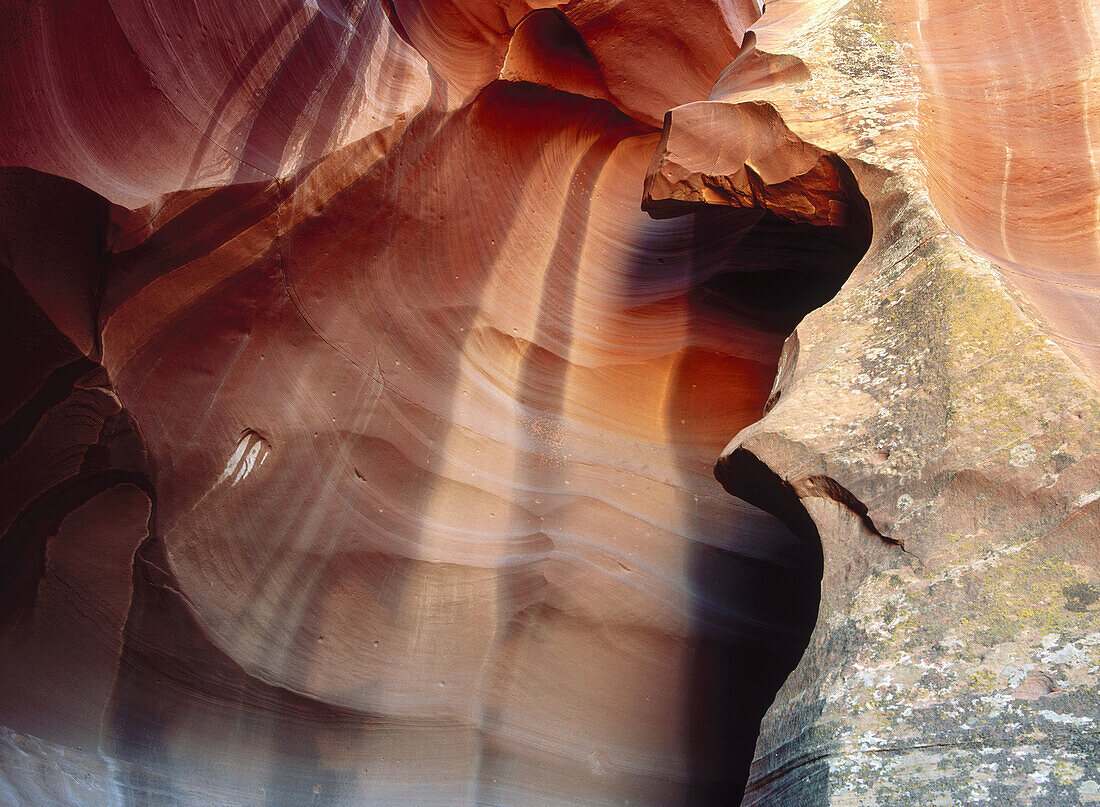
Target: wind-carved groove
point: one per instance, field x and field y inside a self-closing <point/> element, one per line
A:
<point x="826" y="487"/>
<point x="747" y="477"/>
<point x="788" y="358"/>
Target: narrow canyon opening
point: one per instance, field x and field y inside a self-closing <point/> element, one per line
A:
<point x="756" y="590"/>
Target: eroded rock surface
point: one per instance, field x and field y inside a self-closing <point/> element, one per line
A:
<point x="940" y="440"/>
<point x="371" y="361"/>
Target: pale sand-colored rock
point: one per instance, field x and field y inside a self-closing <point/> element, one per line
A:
<point x="943" y="445"/>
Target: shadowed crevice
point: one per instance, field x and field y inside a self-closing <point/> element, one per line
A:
<point x="755" y="609"/>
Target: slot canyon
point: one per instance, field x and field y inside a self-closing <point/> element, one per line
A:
<point x="550" y="404"/>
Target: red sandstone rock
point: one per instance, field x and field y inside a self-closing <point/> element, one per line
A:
<point x="1008" y="133"/>
<point x="135" y="99"/>
<point x="365" y="393"/>
<point x="742" y="155"/>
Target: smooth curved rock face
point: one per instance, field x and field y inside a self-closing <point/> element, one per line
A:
<point x="370" y="366"/>
<point x="135" y="99"/>
<point x="1021" y="187"/>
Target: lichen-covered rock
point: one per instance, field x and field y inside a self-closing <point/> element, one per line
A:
<point x="947" y="452"/>
<point x="959" y="534"/>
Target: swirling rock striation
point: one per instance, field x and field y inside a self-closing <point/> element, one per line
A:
<point x="370" y="366"/>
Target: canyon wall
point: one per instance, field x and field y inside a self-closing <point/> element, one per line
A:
<point x="370" y="364"/>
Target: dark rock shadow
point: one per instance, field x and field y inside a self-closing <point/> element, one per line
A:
<point x="755" y="569"/>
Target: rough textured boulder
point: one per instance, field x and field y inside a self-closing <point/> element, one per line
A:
<point x="370" y="363"/>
